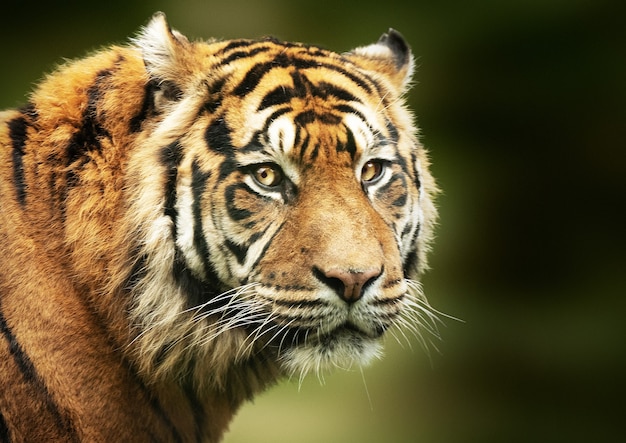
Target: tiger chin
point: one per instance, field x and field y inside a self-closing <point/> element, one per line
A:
<point x="185" y="223"/>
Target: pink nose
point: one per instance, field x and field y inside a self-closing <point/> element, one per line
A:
<point x="348" y="284"/>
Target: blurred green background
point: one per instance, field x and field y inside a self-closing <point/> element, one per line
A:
<point x="522" y="105"/>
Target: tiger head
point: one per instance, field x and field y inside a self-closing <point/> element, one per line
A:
<point x="287" y="211"/>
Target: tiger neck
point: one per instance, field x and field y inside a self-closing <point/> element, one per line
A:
<point x="200" y="389"/>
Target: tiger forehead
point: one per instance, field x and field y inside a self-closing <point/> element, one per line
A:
<point x="279" y="100"/>
<point x="268" y="73"/>
<point x="273" y="51"/>
<point x="242" y="47"/>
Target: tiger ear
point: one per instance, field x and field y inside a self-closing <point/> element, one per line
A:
<point x="390" y="57"/>
<point x="166" y="53"/>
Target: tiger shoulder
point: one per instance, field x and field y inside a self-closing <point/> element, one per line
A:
<point x="186" y="222"/>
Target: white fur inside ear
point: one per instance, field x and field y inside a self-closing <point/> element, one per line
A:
<point x="376" y="50"/>
<point x="158" y="44"/>
<point x="381" y="51"/>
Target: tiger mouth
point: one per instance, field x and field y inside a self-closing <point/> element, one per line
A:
<point x="346" y="332"/>
<point x="342" y="347"/>
<point x="351" y="329"/>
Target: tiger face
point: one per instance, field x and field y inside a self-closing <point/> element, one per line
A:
<point x="317" y="202"/>
<point x="298" y="203"/>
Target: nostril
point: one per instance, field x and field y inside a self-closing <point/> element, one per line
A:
<point x="349" y="284"/>
<point x="332" y="282"/>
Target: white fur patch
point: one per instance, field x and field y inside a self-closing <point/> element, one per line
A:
<point x="157" y="43"/>
<point x="282" y="134"/>
<point x="317" y="357"/>
<point x="363" y="136"/>
<point x="185" y="223"/>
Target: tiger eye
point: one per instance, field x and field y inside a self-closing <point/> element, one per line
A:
<point x="268" y="175"/>
<point x="371" y="171"/>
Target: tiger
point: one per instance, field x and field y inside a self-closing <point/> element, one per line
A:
<point x="185" y="223"/>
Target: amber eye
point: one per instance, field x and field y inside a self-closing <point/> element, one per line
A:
<point x="372" y="171"/>
<point x="268" y="175"/>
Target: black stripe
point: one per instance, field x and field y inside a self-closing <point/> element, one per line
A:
<point x="18" y="134"/>
<point x="393" y="132"/>
<point x="410" y="263"/>
<point x="308" y="117"/>
<point x="88" y="137"/>
<point x="267" y="245"/>
<point x="326" y="90"/>
<point x="236" y="213"/>
<point x="235" y="44"/>
<point x="254" y="145"/>
<point x="29" y="372"/>
<point x="241" y="54"/>
<point x="239" y="251"/>
<point x="305" y="145"/>
<point x="314" y="152"/>
<point x="360" y="82"/>
<point x="4" y="430"/>
<point x="274" y="116"/>
<point x="296" y="303"/>
<point x="171" y="156"/>
<point x="393" y="181"/>
<point x="278" y="96"/>
<point x="347" y="109"/>
<point x="147" y="107"/>
<point x="198" y="187"/>
<point x="406" y="230"/>
<point x="257" y="72"/>
<point x="400" y="201"/>
<point x="412" y="259"/>
<point x="217" y="137"/>
<point x="194" y="289"/>
<point x="398" y="180"/>
<point x="301" y="87"/>
<point x="253" y="77"/>
<point x="416" y="174"/>
<point x="216" y="96"/>
<point x="349" y="146"/>
<point x="30" y="111"/>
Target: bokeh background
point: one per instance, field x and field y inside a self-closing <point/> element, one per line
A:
<point x="522" y="105"/>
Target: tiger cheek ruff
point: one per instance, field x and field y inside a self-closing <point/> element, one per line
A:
<point x="184" y="223"/>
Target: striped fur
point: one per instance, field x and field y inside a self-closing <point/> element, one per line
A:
<point x="183" y="223"/>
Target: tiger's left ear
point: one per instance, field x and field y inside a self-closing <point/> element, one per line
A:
<point x="390" y="57"/>
<point x="167" y="54"/>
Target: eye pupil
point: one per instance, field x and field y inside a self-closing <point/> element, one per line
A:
<point x="371" y="171"/>
<point x="268" y="175"/>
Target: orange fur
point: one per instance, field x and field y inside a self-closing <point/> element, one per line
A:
<point x="149" y="283"/>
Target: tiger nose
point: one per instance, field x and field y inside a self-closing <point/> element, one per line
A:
<point x="347" y="283"/>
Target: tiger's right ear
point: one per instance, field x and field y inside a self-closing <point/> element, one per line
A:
<point x="167" y="55"/>
<point x="390" y="57"/>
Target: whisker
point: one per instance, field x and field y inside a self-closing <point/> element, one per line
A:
<point x="279" y="332"/>
<point x="402" y="324"/>
<point x="256" y="334"/>
<point x="367" y="391"/>
<point x="420" y="320"/>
